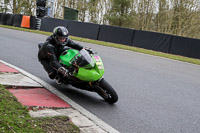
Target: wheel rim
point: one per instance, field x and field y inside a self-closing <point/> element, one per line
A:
<point x="102" y="93"/>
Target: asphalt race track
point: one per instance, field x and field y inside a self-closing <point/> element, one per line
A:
<point x="156" y="95"/>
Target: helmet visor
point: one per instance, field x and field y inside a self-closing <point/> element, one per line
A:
<point x="61" y="39"/>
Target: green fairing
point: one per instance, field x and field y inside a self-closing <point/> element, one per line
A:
<point x="84" y="74"/>
<point x="66" y="58"/>
<point x="90" y="74"/>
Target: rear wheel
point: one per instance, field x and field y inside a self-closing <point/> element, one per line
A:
<point x="105" y="90"/>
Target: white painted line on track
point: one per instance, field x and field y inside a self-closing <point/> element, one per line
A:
<point x="74" y="105"/>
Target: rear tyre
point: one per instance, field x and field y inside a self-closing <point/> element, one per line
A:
<point x="105" y="90"/>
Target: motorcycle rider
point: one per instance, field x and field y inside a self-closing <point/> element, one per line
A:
<point x="50" y="51"/>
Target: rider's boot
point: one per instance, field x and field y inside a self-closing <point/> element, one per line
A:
<point x="58" y="79"/>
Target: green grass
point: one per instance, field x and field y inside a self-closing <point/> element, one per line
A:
<point x="130" y="48"/>
<point x="14" y="118"/>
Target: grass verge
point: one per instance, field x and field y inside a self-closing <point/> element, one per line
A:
<point x="16" y="119"/>
<point x="130" y="48"/>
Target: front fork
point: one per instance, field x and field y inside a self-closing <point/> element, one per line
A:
<point x="96" y="82"/>
<point x="92" y="84"/>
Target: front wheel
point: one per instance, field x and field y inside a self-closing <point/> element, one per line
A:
<point x="105" y="90"/>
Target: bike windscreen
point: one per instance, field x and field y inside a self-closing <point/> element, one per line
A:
<point x="85" y="59"/>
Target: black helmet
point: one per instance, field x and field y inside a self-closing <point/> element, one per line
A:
<point x="60" y="35"/>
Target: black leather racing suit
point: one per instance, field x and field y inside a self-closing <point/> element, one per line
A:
<point x="49" y="53"/>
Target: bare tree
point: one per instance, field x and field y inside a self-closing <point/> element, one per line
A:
<point x="119" y="12"/>
<point x="185" y="18"/>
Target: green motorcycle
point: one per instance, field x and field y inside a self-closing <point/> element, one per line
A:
<point x="86" y="72"/>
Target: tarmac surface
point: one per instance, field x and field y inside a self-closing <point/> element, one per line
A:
<point x="44" y="101"/>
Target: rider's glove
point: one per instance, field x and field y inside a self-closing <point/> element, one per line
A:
<point x="63" y="71"/>
<point x="90" y="51"/>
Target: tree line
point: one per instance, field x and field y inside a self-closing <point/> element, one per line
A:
<point x="25" y="7"/>
<point x="178" y="17"/>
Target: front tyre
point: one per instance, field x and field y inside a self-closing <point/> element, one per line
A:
<point x="105" y="90"/>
